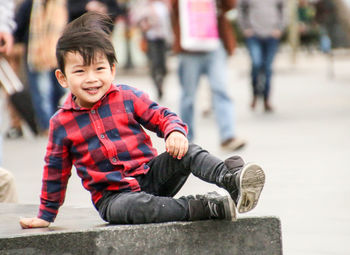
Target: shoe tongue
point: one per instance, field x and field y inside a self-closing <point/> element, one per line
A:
<point x="234" y="162"/>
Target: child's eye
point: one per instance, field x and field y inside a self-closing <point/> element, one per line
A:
<point x="100" y="68"/>
<point x="78" y="71"/>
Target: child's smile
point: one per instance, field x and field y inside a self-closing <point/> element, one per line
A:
<point x="93" y="90"/>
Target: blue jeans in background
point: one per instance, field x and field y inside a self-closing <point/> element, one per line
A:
<point x="45" y="93"/>
<point x="214" y="65"/>
<point x="262" y="53"/>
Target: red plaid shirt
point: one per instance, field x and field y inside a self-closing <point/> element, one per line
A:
<point x="106" y="144"/>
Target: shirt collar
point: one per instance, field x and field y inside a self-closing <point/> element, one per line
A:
<point x="70" y="103"/>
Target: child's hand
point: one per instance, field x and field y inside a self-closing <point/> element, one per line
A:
<point x="176" y="144"/>
<point x="33" y="223"/>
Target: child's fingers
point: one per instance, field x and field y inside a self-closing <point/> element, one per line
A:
<point x="25" y="222"/>
<point x="181" y="152"/>
<point x="176" y="150"/>
<point x="183" y="149"/>
<point x="176" y="144"/>
<point x="170" y="146"/>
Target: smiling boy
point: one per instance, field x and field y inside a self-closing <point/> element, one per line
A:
<point x="99" y="130"/>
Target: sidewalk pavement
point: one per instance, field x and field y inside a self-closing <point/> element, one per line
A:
<point x="304" y="147"/>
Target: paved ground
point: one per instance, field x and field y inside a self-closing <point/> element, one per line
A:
<point x="304" y="147"/>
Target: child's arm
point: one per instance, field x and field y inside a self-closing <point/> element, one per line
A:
<point x="33" y="223"/>
<point x="57" y="171"/>
<point x="176" y="144"/>
<point x="153" y="116"/>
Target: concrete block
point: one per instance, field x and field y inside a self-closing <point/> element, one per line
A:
<point x="80" y="231"/>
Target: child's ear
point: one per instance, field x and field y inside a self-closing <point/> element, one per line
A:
<point x="61" y="78"/>
<point x="113" y="68"/>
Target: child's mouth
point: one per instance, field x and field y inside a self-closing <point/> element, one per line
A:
<point x="92" y="90"/>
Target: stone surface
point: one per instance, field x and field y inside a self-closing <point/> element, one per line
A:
<point x="80" y="231"/>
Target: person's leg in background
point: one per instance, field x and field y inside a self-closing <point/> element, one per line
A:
<point x="157" y="58"/>
<point x="15" y="60"/>
<point x="15" y="129"/>
<point x="8" y="192"/>
<point x="39" y="86"/>
<point x="190" y="69"/>
<point x="254" y="47"/>
<point x="216" y="69"/>
<point x="269" y="52"/>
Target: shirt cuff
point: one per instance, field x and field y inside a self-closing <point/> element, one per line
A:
<point x="45" y="215"/>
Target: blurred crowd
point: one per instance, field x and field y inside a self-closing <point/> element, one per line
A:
<point x="260" y="25"/>
<point x="320" y="25"/>
<point x="40" y="22"/>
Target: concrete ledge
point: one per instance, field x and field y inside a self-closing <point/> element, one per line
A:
<point x="80" y="231"/>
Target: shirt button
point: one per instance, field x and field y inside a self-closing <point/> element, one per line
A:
<point x="102" y="136"/>
<point x="114" y="160"/>
<point x="93" y="111"/>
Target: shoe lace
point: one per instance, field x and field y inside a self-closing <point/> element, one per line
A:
<point x="213" y="208"/>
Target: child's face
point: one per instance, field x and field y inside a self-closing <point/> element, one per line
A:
<point x="88" y="83"/>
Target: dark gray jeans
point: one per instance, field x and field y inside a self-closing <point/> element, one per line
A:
<point x="155" y="202"/>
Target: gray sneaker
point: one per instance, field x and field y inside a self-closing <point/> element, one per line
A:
<point x="244" y="183"/>
<point x="219" y="206"/>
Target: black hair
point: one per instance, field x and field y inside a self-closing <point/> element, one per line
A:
<point x="87" y="35"/>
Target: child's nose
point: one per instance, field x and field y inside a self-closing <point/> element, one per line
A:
<point x="91" y="76"/>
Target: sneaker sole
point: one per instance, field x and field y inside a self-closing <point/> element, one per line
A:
<point x="251" y="184"/>
<point x="232" y="207"/>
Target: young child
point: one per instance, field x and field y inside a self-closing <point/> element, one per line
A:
<point x="99" y="130"/>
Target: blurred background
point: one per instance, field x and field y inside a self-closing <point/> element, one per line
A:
<point x="303" y="144"/>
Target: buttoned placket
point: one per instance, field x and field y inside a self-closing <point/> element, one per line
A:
<point x="97" y="123"/>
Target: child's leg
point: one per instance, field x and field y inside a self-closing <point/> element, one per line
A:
<point x="167" y="174"/>
<point x="141" y="207"/>
<point x="243" y="181"/>
<point x="166" y="177"/>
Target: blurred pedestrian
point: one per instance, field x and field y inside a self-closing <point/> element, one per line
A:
<point x="326" y="18"/>
<point x="308" y="29"/>
<point x="195" y="60"/>
<point x="262" y="24"/>
<point x="8" y="191"/>
<point x="153" y="18"/>
<point x="7" y="25"/>
<point x="40" y="23"/>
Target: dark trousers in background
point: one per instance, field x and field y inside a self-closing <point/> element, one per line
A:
<point x="155" y="202"/>
<point x="262" y="53"/>
<point x="156" y="52"/>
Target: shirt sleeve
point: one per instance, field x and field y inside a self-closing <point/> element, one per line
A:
<point x="7" y="23"/>
<point x="156" y="118"/>
<point x="57" y="171"/>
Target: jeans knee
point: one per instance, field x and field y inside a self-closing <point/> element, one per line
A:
<point x="193" y="149"/>
<point x="257" y="65"/>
